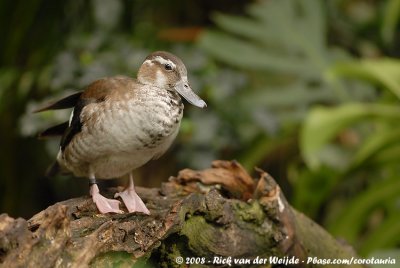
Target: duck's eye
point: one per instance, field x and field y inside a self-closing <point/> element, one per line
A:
<point x="168" y="67"/>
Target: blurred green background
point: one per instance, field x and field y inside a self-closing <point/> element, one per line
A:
<point x="308" y="90"/>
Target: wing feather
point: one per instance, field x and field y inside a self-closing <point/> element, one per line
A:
<point x="65" y="103"/>
<point x="57" y="130"/>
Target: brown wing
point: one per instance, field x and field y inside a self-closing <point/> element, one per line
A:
<point x="96" y="92"/>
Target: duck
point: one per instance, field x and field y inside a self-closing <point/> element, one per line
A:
<point x="119" y="123"/>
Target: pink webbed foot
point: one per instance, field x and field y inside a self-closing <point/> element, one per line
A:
<point x="104" y="205"/>
<point x="131" y="199"/>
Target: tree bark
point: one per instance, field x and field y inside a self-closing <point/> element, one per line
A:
<point x="209" y="217"/>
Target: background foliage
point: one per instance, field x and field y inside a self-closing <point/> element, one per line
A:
<point x="307" y="90"/>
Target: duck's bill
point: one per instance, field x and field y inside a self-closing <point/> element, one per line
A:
<point x="185" y="91"/>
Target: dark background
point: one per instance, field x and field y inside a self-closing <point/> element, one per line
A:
<point x="307" y="90"/>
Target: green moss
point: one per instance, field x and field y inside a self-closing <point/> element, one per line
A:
<point x="252" y="212"/>
<point x="201" y="235"/>
<point x="116" y="259"/>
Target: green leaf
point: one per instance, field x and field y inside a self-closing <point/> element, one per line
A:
<point x="282" y="36"/>
<point x="388" y="155"/>
<point x="287" y="96"/>
<point x="253" y="155"/>
<point x="320" y="183"/>
<point x="353" y="217"/>
<point x="390" y="19"/>
<point x="385" y="71"/>
<point x="313" y="13"/>
<point x="322" y="124"/>
<point x="374" y="144"/>
<point x="385" y="236"/>
<point x="245" y="27"/>
<point x="249" y="56"/>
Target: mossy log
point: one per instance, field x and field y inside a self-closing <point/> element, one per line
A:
<point x="209" y="218"/>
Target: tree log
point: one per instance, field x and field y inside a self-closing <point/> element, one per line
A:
<point x="209" y="217"/>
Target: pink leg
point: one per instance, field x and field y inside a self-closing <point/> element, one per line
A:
<point x="104" y="205"/>
<point x="131" y="200"/>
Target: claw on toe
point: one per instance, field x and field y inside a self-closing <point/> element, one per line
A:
<point x="132" y="201"/>
<point x="104" y="204"/>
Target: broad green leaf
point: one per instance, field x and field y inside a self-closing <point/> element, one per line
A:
<point x="385" y="71"/>
<point x="322" y="124"/>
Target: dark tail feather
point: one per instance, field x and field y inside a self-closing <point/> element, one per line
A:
<point x="67" y="102"/>
<point x="54" y="131"/>
<point x="53" y="170"/>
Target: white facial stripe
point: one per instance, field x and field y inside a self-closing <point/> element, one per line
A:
<point x="163" y="61"/>
<point x="149" y="62"/>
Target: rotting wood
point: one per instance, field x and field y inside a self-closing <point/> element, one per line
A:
<point x="220" y="211"/>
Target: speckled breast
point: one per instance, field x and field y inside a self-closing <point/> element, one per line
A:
<point x="125" y="134"/>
